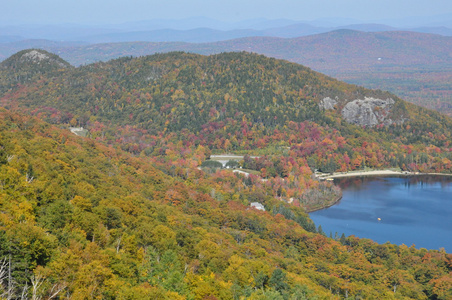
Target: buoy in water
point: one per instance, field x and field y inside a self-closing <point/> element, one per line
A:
<point x="379" y="219"/>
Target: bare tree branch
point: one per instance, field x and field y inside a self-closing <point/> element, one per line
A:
<point x="36" y="282"/>
<point x="56" y="289"/>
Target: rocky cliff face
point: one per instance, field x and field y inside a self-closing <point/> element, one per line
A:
<point x="364" y="112"/>
<point x="328" y="103"/>
<point x="36" y="56"/>
<point x="368" y="112"/>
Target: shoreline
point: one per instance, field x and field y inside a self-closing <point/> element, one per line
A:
<point x="327" y="206"/>
<point x="366" y="173"/>
<point x="376" y="173"/>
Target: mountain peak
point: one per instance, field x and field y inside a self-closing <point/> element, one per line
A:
<point x="32" y="57"/>
<point x="26" y="64"/>
<point x="35" y="56"/>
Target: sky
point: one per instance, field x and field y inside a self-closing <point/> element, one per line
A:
<point x="100" y="12"/>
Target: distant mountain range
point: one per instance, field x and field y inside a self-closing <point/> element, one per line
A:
<point x="330" y="52"/>
<point x="201" y="30"/>
<point x="205" y="35"/>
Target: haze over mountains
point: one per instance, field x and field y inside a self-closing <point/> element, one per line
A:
<point x="199" y="30"/>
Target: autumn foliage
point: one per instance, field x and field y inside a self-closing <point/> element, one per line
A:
<point x="128" y="212"/>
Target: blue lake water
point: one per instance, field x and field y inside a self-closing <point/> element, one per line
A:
<point x="413" y="210"/>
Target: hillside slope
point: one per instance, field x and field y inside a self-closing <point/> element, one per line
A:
<point x="415" y="66"/>
<point x="85" y="220"/>
<point x="95" y="221"/>
<point x="239" y="97"/>
<point x="179" y="108"/>
<point x="178" y="77"/>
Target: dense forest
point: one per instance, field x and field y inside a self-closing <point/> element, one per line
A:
<point x="130" y="212"/>
<point x="414" y="66"/>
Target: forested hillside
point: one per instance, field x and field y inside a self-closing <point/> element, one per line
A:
<point x="179" y="108"/>
<point x="231" y="102"/>
<point x="130" y="213"/>
<point x="93" y="222"/>
<point x="415" y="66"/>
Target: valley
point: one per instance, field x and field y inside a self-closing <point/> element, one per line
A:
<point x="129" y="211"/>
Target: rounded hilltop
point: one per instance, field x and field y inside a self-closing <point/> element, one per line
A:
<point x="35" y="58"/>
<point x="25" y="65"/>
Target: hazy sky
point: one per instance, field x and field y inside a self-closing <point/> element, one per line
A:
<point x="118" y="11"/>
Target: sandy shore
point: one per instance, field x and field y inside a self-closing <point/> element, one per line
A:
<point x="377" y="173"/>
<point x="366" y="173"/>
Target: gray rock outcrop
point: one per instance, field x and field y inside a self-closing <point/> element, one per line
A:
<point x="327" y="103"/>
<point x="36" y="56"/>
<point x="368" y="112"/>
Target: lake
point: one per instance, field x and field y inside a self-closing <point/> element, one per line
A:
<point x="412" y="210"/>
